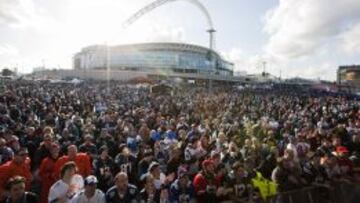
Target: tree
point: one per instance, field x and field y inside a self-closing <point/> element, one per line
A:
<point x="7" y="72"/>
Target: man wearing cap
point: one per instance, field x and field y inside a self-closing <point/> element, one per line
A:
<point x="343" y="161"/>
<point x="19" y="166"/>
<point x="90" y="194"/>
<point x="155" y="171"/>
<point x="122" y="192"/>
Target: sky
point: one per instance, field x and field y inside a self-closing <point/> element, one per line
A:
<point x="307" y="38"/>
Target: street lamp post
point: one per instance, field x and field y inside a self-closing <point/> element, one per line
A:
<point x="108" y="67"/>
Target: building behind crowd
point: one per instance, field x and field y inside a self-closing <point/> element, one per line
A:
<point x="149" y="57"/>
<point x="154" y="61"/>
<point x="349" y="76"/>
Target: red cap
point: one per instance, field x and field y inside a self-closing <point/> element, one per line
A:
<point x="341" y="149"/>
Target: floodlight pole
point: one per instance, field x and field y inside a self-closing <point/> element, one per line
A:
<point x="264" y="67"/>
<point x="108" y="67"/>
<point x="211" y="32"/>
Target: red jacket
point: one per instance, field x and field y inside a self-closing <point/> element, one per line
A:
<point x="200" y="183"/>
<point x="82" y="161"/>
<point x="11" y="169"/>
<point x="48" y="177"/>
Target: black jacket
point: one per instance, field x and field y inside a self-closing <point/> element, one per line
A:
<point x="131" y="196"/>
<point x="28" y="197"/>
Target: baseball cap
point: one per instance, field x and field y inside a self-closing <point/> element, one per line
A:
<point x="153" y="165"/>
<point x="341" y="149"/>
<point x="90" y="180"/>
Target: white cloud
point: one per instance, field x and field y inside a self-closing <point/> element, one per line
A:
<point x="242" y="62"/>
<point x="10" y="11"/>
<point x="8" y="50"/>
<point x="299" y="28"/>
<point x="54" y="30"/>
<point x="313" y="71"/>
<point x="24" y="14"/>
<point x="251" y="64"/>
<point x="351" y="40"/>
<point x="163" y="33"/>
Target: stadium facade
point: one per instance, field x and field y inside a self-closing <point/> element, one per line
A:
<point x="349" y="76"/>
<point x="165" y="58"/>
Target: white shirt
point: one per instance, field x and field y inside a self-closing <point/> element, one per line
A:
<point x="159" y="182"/>
<point x="98" y="197"/>
<point x="58" y="190"/>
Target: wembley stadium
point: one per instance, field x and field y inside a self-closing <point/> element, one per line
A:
<point x="165" y="58"/>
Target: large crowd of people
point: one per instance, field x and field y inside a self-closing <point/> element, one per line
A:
<point x="79" y="143"/>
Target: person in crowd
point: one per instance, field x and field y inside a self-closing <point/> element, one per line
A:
<point x="19" y="166"/>
<point x="285" y="175"/>
<point x="6" y="153"/>
<point x="47" y="172"/>
<point x="63" y="191"/>
<point x="205" y="184"/>
<point x="158" y="176"/>
<point x="90" y="193"/>
<point x="161" y="181"/>
<point x="313" y="172"/>
<point x="126" y="162"/>
<point x="253" y="126"/>
<point x="144" y="163"/>
<point x="238" y="184"/>
<point x="82" y="161"/>
<point x="149" y="194"/>
<point x="182" y="190"/>
<point x="17" y="192"/>
<point x="122" y="192"/>
<point x="104" y="168"/>
<point x="345" y="165"/>
<point x="268" y="164"/>
<point x="175" y="160"/>
<point x="44" y="149"/>
<point x="88" y="146"/>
